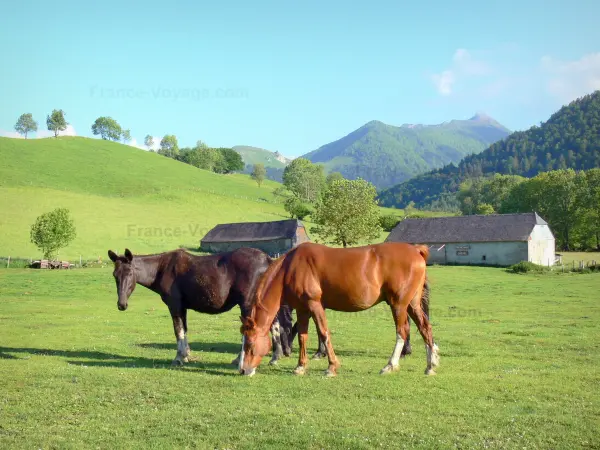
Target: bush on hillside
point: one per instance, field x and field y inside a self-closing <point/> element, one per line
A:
<point x="526" y="266"/>
<point x="388" y="222"/>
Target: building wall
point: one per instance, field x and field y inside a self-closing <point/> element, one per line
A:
<point x="495" y="253"/>
<point x="273" y="247"/>
<point x="542" y="248"/>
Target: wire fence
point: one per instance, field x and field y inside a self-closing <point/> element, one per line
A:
<point x="18" y="262"/>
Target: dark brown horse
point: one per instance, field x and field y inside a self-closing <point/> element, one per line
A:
<point x="313" y="277"/>
<point x="211" y="284"/>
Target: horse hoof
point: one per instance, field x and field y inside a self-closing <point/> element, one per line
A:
<point x="299" y="370"/>
<point x="330" y="373"/>
<point x="273" y="362"/>
<point x="389" y="369"/>
<point x="429" y="372"/>
<point x="177" y="363"/>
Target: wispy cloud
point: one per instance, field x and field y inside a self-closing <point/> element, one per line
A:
<point x="11" y="134"/>
<point x="41" y="133"/>
<point x="568" y="80"/>
<point x="464" y="66"/>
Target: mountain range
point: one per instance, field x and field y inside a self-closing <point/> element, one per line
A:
<point x="569" y="139"/>
<point x="387" y="155"/>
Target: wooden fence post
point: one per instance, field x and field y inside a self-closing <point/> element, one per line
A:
<point x="8" y="263"/>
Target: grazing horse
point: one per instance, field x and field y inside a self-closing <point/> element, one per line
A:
<point x="313" y="277"/>
<point x="211" y="284"/>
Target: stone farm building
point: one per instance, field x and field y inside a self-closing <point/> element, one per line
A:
<point x="274" y="238"/>
<point x="495" y="239"/>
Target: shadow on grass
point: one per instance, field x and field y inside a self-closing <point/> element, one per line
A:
<point x="211" y="347"/>
<point x="102" y="359"/>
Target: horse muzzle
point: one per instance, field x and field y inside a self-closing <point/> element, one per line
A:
<point x="248" y="371"/>
<point x="122" y="306"/>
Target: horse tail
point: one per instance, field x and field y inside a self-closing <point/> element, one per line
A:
<point x="424" y="251"/>
<point x="425" y="296"/>
<point x="266" y="279"/>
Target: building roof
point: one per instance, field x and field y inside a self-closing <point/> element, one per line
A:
<point x="477" y="228"/>
<point x="253" y="231"/>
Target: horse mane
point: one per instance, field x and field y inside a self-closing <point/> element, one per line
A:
<point x="265" y="282"/>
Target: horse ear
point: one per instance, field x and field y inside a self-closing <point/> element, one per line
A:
<point x="128" y="255"/>
<point x="113" y="256"/>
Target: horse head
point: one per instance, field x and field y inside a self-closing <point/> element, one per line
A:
<point x="255" y="346"/>
<point x="124" y="274"/>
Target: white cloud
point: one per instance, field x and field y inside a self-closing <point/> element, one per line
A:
<point x="464" y="65"/>
<point x="569" y="80"/>
<point x="443" y="81"/>
<point x="12" y="134"/>
<point x="42" y="133"/>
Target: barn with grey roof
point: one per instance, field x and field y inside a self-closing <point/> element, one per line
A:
<point x="274" y="238"/>
<point x="495" y="239"/>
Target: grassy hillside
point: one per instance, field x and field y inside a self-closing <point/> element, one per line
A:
<point x="274" y="162"/>
<point x="569" y="139"/>
<point x="386" y="155"/>
<point x="255" y="155"/>
<point x="113" y="191"/>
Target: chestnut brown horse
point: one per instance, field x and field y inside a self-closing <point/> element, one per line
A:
<point x="313" y="277"/>
<point x="210" y="284"/>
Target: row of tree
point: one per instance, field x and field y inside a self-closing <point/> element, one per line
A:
<point x="55" y="122"/>
<point x="568" y="200"/>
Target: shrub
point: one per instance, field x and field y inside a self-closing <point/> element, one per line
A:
<point x="388" y="222"/>
<point x="526" y="266"/>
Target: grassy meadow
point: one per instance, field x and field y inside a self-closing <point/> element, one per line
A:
<point x="519" y="358"/>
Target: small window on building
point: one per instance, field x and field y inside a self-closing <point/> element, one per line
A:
<point x="483" y="258"/>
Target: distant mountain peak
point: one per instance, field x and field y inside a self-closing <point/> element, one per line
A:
<point x="482" y="117"/>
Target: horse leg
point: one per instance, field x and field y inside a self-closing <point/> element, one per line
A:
<point x="318" y="314"/>
<point x="303" y="317"/>
<point x="407" y="350"/>
<point x="422" y="322"/>
<point x="188" y="351"/>
<point x="322" y="351"/>
<point x="276" y="342"/>
<point x="245" y="312"/>
<point x="181" y="357"/>
<point x="401" y="320"/>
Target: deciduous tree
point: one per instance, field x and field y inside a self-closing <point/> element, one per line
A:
<point x="259" y="173"/>
<point x="347" y="213"/>
<point x="25" y="124"/>
<point x="52" y="231"/>
<point x="56" y="121"/>
<point x="108" y="128"/>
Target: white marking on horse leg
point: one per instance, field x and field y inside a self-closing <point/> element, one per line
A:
<point x="433" y="359"/>
<point x="277" y="350"/>
<point x="241" y="361"/>
<point x="392" y="364"/>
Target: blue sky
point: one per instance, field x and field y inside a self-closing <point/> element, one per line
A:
<point x="292" y="78"/>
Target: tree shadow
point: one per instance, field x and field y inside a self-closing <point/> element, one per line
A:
<point x="210" y="347"/>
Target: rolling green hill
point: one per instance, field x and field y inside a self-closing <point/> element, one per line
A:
<point x="274" y="162"/>
<point x="118" y="196"/>
<point x="386" y="155"/>
<point x="570" y="138"/>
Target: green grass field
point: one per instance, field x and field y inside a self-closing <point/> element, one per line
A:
<point x="519" y="369"/>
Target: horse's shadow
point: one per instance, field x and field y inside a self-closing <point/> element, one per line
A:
<point x="211" y="347"/>
<point x="103" y="359"/>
